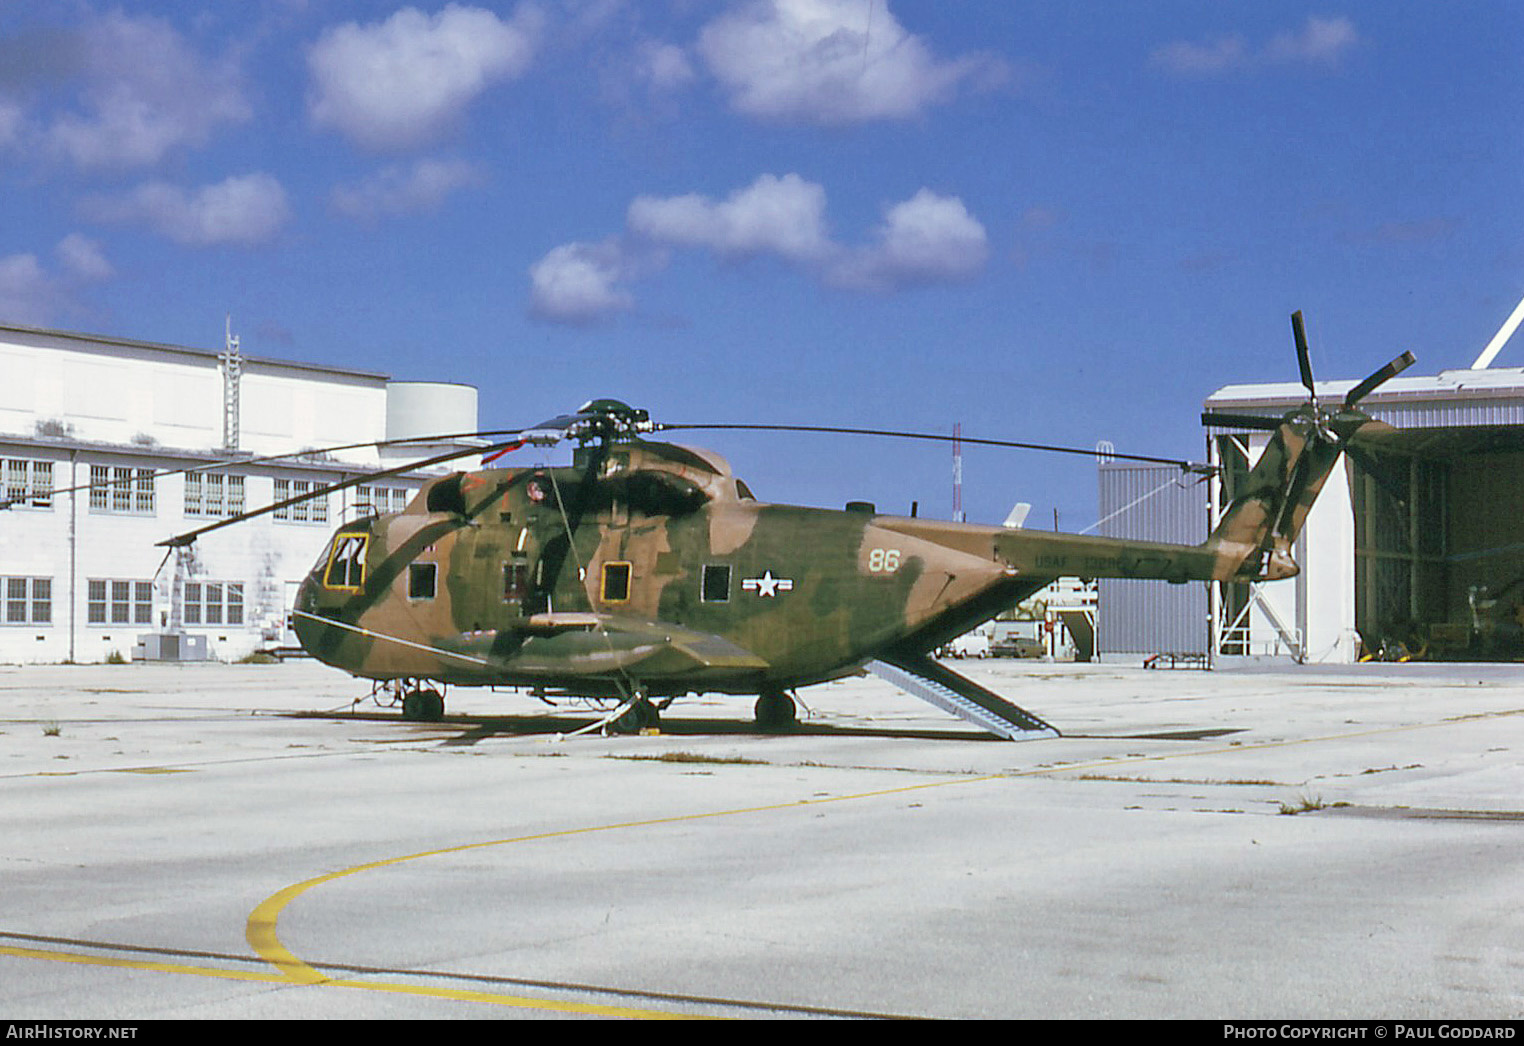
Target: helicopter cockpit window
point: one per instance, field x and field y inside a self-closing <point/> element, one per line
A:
<point x="744" y="492"/>
<point x="447" y="495"/>
<point x="346" y="564"/>
<point x="421" y="580"/>
<point x="716" y="587"/>
<point x="616" y="582"/>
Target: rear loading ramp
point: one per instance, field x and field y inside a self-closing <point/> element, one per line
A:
<point x="921" y="676"/>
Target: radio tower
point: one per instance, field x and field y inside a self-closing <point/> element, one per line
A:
<point x="958" y="472"/>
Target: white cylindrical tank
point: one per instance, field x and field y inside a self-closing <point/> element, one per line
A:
<point x="429" y="408"/>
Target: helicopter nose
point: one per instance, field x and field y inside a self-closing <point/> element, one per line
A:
<point x="306" y="592"/>
<point x="305" y="602"/>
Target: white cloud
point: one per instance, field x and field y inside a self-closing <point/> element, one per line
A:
<point x="1190" y="59"/>
<point x="28" y="295"/>
<point x="83" y="257"/>
<point x="32" y="294"/>
<point x="403" y="189"/>
<point x="827" y="62"/>
<point x="244" y="209"/>
<point x="926" y="239"/>
<point x="402" y="83"/>
<point x="1321" y="41"/>
<point x="783" y="216"/>
<point x="578" y="283"/>
<point x="10" y="121"/>
<point x="145" y="94"/>
<point x="665" y="67"/>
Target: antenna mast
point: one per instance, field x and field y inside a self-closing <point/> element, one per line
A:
<point x="1500" y="338"/>
<point x="958" y="516"/>
<point x="232" y="373"/>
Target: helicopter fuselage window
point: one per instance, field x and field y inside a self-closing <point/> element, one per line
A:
<point x="346" y="565"/>
<point x="716" y="587"/>
<point x="421" y="579"/>
<point x="616" y="582"/>
<point x="515" y="581"/>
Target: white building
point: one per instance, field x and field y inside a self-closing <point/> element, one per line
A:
<point x="109" y="446"/>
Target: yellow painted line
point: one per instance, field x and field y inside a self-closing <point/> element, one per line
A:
<point x="262" y="923"/>
<point x="141" y="964"/>
<point x="261" y="927"/>
<point x="258" y="977"/>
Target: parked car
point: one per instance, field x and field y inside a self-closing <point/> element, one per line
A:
<point x="974" y="644"/>
<point x="1017" y="646"/>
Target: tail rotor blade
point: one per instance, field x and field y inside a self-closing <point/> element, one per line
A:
<point x="1303" y="357"/>
<point x="1370" y="384"/>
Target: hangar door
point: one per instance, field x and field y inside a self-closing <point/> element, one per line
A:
<point x="1439" y="544"/>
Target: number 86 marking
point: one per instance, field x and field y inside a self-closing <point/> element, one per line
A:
<point x="883" y="561"/>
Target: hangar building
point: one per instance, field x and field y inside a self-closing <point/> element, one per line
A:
<point x="1416" y="546"/>
<point x="1137" y="620"/>
<point x="108" y="446"/>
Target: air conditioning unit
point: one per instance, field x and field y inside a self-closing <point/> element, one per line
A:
<point x="171" y="646"/>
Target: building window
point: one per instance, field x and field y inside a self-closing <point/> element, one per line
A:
<point x="213" y="494"/>
<point x="313" y="510"/>
<point x="28" y="600"/>
<point x="28" y="484"/>
<point x="213" y="603"/>
<point x="716" y="587"/>
<point x="421" y="579"/>
<point x="123" y="490"/>
<point x="113" y="602"/>
<point x="381" y="501"/>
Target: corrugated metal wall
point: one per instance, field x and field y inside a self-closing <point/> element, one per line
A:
<point x="1153" y="503"/>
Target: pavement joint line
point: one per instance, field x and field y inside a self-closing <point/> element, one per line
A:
<point x="1251" y="746"/>
<point x="282" y="979"/>
<point x="188" y="767"/>
<point x="83" y="958"/>
<point x="93" y="950"/>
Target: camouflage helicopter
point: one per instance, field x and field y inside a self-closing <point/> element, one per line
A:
<point x="645" y="571"/>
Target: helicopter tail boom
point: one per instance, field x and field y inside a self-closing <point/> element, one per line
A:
<point x="1253" y="540"/>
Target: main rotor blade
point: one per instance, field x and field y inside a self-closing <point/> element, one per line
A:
<point x="1240" y="421"/>
<point x="217" y="463"/>
<point x="549" y="433"/>
<point x="181" y="540"/>
<point x="1370" y="384"/>
<point x="1303" y="356"/>
<point x="1190" y="466"/>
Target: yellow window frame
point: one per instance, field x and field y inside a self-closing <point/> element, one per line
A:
<point x="353" y="580"/>
<point x="629" y="579"/>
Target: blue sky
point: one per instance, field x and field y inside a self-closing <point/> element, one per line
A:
<point x="1049" y="222"/>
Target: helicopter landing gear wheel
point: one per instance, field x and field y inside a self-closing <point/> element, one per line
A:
<point x="422" y="706"/>
<point x="640" y="716"/>
<point x="776" y="711"/>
